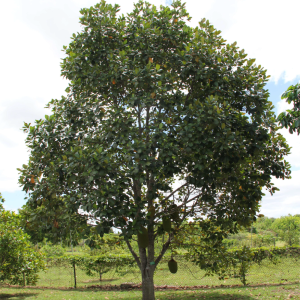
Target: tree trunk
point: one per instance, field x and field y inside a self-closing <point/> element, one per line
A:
<point x="147" y="264"/>
<point x="147" y="267"/>
<point x="148" y="285"/>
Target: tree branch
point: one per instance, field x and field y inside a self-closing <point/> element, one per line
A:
<point x="133" y="254"/>
<point x="163" y="251"/>
<point x="174" y="192"/>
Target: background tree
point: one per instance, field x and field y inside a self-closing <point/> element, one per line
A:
<point x="264" y="223"/>
<point x="162" y="122"/>
<point x="291" y="118"/>
<point x="288" y="229"/>
<point x="19" y="262"/>
<point x="1" y="202"/>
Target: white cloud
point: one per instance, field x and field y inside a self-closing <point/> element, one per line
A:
<point x="267" y="30"/>
<point x="14" y="154"/>
<point x="283" y="106"/>
<point x="221" y="14"/>
<point x="35" y="31"/>
<point x="293" y="141"/>
<point x="283" y="202"/>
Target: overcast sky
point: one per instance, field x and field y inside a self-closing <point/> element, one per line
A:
<point x="33" y="33"/>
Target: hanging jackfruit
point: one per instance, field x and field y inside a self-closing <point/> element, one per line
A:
<point x="143" y="239"/>
<point x="151" y="210"/>
<point x="172" y="266"/>
<point x="174" y="215"/>
<point x="166" y="224"/>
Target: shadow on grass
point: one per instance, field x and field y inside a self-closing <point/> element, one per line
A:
<point x="17" y="295"/>
<point x="116" y="288"/>
<point x="103" y="281"/>
<point x="200" y="295"/>
<point x="209" y="293"/>
<point x="261" y="285"/>
<point x="186" y="295"/>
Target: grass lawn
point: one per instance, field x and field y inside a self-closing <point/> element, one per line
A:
<point x="287" y="271"/>
<point x="282" y="291"/>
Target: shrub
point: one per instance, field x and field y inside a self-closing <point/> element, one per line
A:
<point x="53" y="250"/>
<point x="19" y="261"/>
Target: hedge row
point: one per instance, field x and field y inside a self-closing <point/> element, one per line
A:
<point x="221" y="261"/>
<point x="237" y="262"/>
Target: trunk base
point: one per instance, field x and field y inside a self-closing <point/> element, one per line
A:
<point x="148" y="287"/>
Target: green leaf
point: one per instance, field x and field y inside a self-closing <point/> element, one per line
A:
<point x="251" y="61"/>
<point x="157" y="67"/>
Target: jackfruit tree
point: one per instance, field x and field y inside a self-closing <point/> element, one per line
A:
<point x="291" y="118"/>
<point x="162" y="122"/>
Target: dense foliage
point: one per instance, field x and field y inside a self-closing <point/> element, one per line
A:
<point x="52" y="220"/>
<point x="162" y="122"/>
<point x="291" y="118"/>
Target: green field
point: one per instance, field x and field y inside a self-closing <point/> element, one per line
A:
<point x="287" y="271"/>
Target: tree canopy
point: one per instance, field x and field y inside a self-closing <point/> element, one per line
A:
<point x="288" y="228"/>
<point x="162" y="122"/>
<point x="291" y="118"/>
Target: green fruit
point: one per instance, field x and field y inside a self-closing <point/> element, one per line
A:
<point x="174" y="215"/>
<point x="166" y="224"/>
<point x="143" y="239"/>
<point x="172" y="266"/>
<point x="151" y="210"/>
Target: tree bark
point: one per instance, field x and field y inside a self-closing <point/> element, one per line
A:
<point x="147" y="271"/>
<point x="148" y="266"/>
<point x="148" y="284"/>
